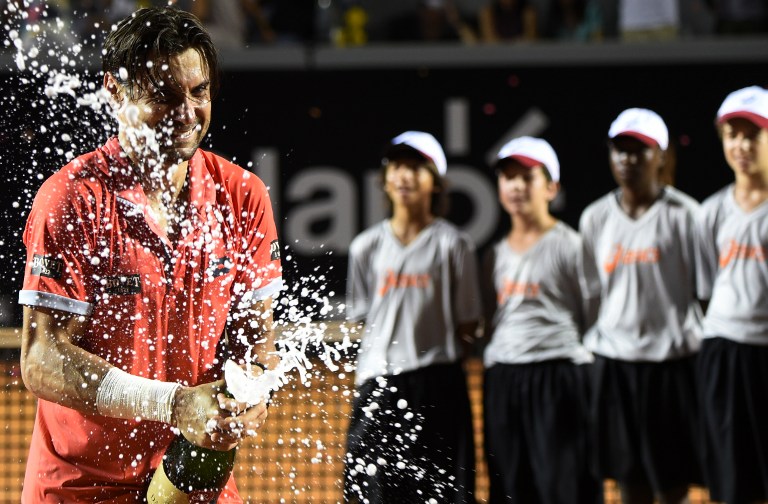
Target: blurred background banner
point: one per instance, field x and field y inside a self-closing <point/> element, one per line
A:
<point x="312" y="123"/>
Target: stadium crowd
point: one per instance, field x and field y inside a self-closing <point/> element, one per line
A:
<point x="243" y="23"/>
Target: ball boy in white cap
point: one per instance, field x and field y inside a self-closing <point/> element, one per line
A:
<point x="733" y="366"/>
<point x="536" y="379"/>
<point x="413" y="279"/>
<point x="639" y="262"/>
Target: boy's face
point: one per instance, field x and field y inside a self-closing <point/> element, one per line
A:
<point x="634" y="164"/>
<point x="408" y="180"/>
<point x="745" y="146"/>
<point x="524" y="191"/>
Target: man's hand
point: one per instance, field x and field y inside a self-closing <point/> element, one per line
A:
<point x="208" y="417"/>
<point x="239" y="419"/>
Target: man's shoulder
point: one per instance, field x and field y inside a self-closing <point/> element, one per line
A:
<point x="236" y="180"/>
<point x="222" y="167"/>
<point x="82" y="175"/>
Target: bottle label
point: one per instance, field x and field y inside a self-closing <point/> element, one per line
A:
<point x="162" y="491"/>
<point x="203" y="496"/>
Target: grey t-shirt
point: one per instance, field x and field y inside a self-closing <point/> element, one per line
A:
<point x="536" y="300"/>
<point x="732" y="268"/>
<point x="644" y="272"/>
<point x="411" y="297"/>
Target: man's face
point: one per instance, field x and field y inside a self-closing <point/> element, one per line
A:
<point x="177" y="110"/>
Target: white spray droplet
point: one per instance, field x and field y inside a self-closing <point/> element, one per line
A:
<point x="132" y="115"/>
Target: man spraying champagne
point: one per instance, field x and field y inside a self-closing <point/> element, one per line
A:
<point x="151" y="246"/>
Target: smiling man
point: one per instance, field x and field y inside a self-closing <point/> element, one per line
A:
<point x="139" y="255"/>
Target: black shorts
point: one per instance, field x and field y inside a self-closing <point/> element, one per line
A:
<point x="645" y="420"/>
<point x="733" y="380"/>
<point x="537" y="435"/>
<point x="416" y="444"/>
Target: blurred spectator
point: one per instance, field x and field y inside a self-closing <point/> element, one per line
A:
<point x="579" y="20"/>
<point x="46" y="23"/>
<point x="225" y="21"/>
<point x="291" y="21"/>
<point x="641" y="20"/>
<point x="90" y="20"/>
<point x="237" y="23"/>
<point x="740" y="17"/>
<point x="441" y="20"/>
<point x="258" y="28"/>
<point x="506" y="20"/>
<point x="434" y="21"/>
<point x="695" y="17"/>
<point x="352" y="29"/>
<point x="10" y="19"/>
<point x="119" y="9"/>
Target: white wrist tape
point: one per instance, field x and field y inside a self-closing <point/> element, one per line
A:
<point x="123" y="395"/>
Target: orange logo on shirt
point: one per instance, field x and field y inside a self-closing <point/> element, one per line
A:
<point x="736" y="251"/>
<point x="626" y="256"/>
<point x="511" y="288"/>
<point x="403" y="280"/>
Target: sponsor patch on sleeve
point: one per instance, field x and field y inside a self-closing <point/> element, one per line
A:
<point x="47" y="266"/>
<point x="274" y="250"/>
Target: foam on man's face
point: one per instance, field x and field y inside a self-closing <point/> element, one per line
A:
<point x="175" y="112"/>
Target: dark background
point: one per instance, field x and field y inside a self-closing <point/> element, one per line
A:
<point x="342" y="118"/>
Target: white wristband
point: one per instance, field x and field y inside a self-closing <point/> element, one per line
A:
<point x="123" y="395"/>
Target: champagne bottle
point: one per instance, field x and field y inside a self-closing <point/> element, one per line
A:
<point x="190" y="473"/>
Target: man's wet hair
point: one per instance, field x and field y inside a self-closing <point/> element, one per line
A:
<point x="153" y="35"/>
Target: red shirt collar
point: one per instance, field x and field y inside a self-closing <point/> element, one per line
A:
<point x="118" y="167"/>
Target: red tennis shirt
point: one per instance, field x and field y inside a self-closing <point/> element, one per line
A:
<point x="156" y="309"/>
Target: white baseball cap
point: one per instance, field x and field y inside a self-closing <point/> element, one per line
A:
<point x="530" y="152"/>
<point x="750" y="103"/>
<point x="423" y="143"/>
<point x="643" y="124"/>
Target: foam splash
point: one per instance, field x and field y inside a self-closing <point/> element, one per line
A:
<point x="42" y="56"/>
<point x="248" y="387"/>
<point x="294" y="347"/>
